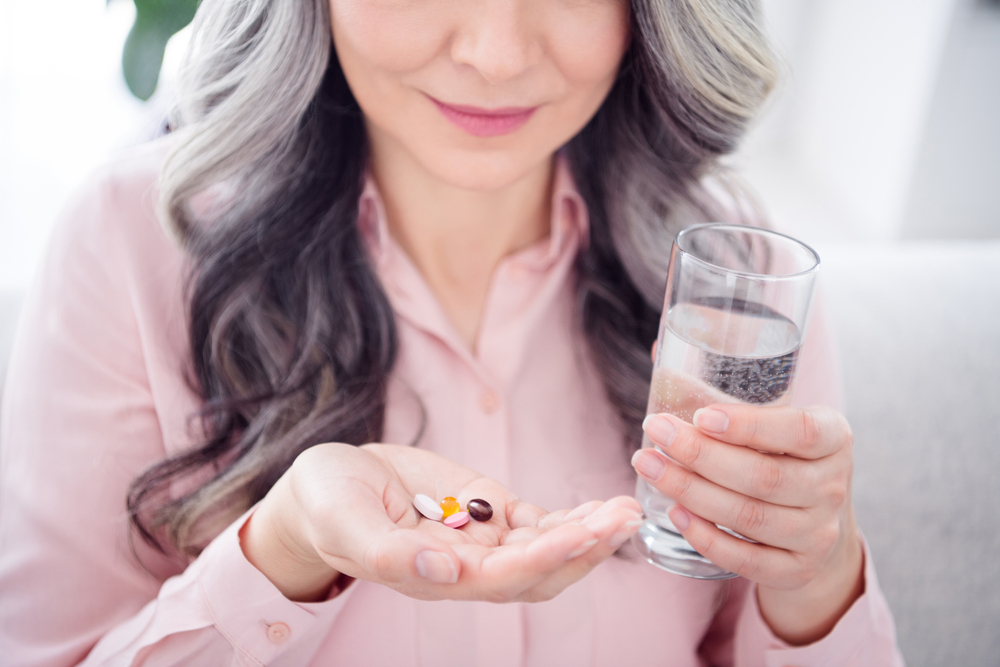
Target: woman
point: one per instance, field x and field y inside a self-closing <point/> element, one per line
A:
<point x="438" y="228"/>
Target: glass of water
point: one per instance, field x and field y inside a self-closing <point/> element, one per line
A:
<point x="734" y="317"/>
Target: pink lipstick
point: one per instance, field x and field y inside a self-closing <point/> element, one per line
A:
<point x="485" y="122"/>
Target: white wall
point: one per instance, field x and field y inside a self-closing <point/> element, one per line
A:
<point x="864" y="108"/>
<point x="955" y="189"/>
<point x="64" y="108"/>
<point x="839" y="148"/>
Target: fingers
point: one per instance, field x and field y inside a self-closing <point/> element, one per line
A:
<point x="541" y="567"/>
<point x="503" y="573"/>
<point x="608" y="525"/>
<point x="520" y="514"/>
<point x="764" y="564"/>
<point x="783" y="480"/>
<point x="806" y="433"/>
<point x="777" y="525"/>
<point x="575" y="515"/>
<point x="792" y="505"/>
<point x="612" y="524"/>
<point x="370" y="545"/>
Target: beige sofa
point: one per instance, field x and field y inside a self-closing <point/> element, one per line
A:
<point x="919" y="331"/>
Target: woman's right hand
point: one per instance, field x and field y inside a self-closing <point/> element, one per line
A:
<point x="348" y="510"/>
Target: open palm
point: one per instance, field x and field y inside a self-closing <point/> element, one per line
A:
<point x="358" y="503"/>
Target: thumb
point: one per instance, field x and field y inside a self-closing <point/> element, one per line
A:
<point x="368" y="544"/>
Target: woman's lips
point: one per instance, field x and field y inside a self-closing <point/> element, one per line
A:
<point x="485" y="122"/>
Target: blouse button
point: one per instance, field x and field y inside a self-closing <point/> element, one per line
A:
<point x="489" y="402"/>
<point x="278" y="633"/>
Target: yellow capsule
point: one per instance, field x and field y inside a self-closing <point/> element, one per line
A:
<point x="449" y="506"/>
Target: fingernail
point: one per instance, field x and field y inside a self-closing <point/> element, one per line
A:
<point x="715" y="421"/>
<point x="649" y="464"/>
<point x="582" y="549"/>
<point x="625" y="532"/>
<point x="437" y="567"/>
<point x="659" y="429"/>
<point x="679" y="517"/>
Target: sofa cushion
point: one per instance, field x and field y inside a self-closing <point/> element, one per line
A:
<point x="918" y="327"/>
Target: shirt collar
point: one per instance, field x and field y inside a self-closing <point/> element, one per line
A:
<point x="569" y="221"/>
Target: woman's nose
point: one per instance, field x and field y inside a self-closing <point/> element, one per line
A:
<point x="497" y="37"/>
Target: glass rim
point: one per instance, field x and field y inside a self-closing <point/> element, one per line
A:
<point x="760" y="231"/>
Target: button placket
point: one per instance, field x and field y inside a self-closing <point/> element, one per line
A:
<point x="487" y="427"/>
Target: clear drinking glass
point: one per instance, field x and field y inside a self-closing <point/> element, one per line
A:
<point x="734" y="317"/>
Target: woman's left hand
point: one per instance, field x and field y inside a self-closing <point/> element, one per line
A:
<point x="780" y="476"/>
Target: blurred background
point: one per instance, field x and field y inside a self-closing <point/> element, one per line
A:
<point x="884" y="129"/>
<point x="881" y="149"/>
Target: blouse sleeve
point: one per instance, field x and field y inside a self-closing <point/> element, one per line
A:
<point x="863" y="637"/>
<point x="78" y="423"/>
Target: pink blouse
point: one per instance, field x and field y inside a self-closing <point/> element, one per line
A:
<point x="96" y="393"/>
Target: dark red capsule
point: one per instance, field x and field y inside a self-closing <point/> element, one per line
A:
<point x="479" y="509"/>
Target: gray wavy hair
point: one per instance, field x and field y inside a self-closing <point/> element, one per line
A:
<point x="292" y="338"/>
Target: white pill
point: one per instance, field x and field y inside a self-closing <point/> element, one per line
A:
<point x="428" y="507"/>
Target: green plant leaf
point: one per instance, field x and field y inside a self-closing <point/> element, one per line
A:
<point x="156" y="21"/>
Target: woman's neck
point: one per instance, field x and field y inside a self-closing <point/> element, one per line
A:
<point x="457" y="236"/>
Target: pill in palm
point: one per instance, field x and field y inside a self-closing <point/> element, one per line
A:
<point x="428" y="507"/>
<point x="480" y="510"/>
<point x="457" y="520"/>
<point x="450" y="506"/>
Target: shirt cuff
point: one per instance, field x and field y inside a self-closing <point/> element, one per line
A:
<point x="251" y="612"/>
<point x="864" y="636"/>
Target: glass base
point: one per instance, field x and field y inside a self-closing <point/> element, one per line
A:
<point x="670" y="551"/>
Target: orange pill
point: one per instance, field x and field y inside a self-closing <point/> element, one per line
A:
<point x="450" y="506"/>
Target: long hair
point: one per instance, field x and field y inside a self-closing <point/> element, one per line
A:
<point x="292" y="337"/>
